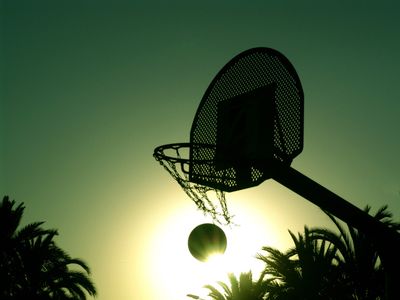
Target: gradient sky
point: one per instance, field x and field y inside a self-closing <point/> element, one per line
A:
<point x="89" y="88"/>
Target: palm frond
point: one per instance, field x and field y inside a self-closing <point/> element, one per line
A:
<point x="214" y="293"/>
<point x="31" y="231"/>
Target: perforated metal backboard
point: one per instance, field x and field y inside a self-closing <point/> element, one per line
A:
<point x="250" y="116"/>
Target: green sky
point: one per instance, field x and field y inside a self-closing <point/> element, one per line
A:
<point x="89" y="88"/>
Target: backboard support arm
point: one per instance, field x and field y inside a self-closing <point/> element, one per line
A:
<point x="386" y="239"/>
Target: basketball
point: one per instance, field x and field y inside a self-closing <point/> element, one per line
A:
<point x="205" y="240"/>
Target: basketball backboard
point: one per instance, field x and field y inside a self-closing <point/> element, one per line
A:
<point x="251" y="115"/>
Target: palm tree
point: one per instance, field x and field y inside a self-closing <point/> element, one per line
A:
<point x="325" y="264"/>
<point x="48" y="273"/>
<point x="306" y="271"/>
<point x="10" y="239"/>
<point x="359" y="259"/>
<point x="281" y="269"/>
<point x="33" y="266"/>
<point x="243" y="289"/>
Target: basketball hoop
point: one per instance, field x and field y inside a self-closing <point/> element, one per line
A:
<point x="250" y="117"/>
<point x="211" y="201"/>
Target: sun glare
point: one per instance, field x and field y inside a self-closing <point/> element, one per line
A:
<point x="178" y="274"/>
<point x="217" y="264"/>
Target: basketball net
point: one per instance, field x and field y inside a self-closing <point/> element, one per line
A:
<point x="209" y="200"/>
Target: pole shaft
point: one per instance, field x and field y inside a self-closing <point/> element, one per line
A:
<point x="385" y="239"/>
<point x="326" y="200"/>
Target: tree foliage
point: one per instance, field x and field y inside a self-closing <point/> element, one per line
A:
<point x="32" y="266"/>
<point x="323" y="264"/>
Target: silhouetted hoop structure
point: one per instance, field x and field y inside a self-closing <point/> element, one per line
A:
<point x="250" y="117"/>
<point x="206" y="240"/>
<point x="175" y="159"/>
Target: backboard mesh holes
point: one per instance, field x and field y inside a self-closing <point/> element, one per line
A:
<point x="245" y="73"/>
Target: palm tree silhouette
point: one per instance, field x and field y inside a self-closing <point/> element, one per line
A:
<point x="11" y="239"/>
<point x="243" y="289"/>
<point x="359" y="260"/>
<point x="306" y="271"/>
<point x="32" y="266"/>
<point x="325" y="264"/>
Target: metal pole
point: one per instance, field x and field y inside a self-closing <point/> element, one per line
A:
<point x="386" y="240"/>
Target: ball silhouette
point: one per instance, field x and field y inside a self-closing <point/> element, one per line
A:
<point x="205" y="240"/>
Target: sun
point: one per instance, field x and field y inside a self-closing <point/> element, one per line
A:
<point x="177" y="273"/>
<point x="240" y="255"/>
